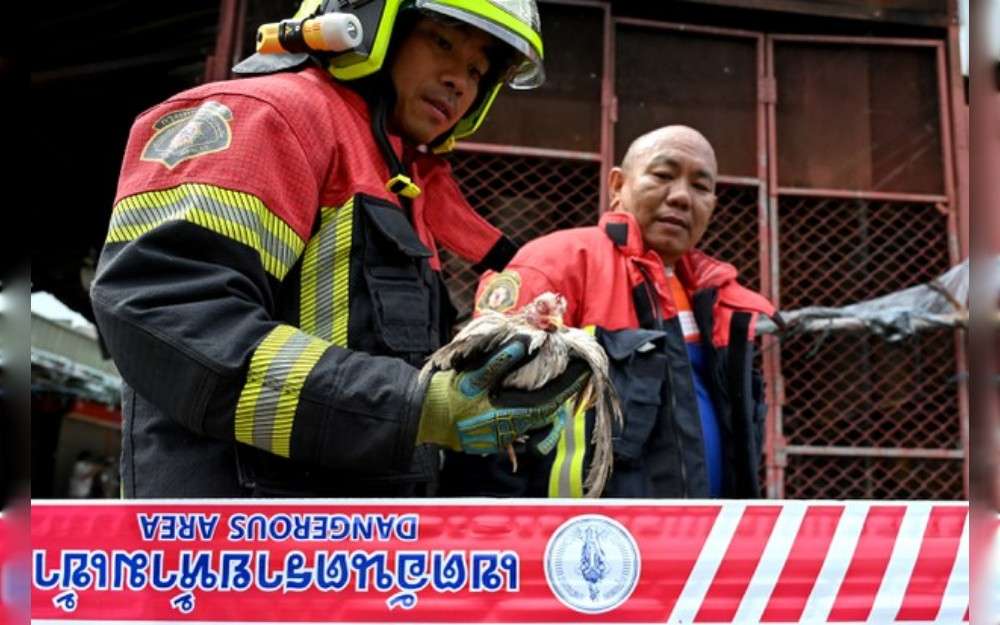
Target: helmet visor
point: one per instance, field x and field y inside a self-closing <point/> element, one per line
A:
<point x="529" y="72"/>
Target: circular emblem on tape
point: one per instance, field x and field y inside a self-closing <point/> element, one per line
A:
<point x="501" y="292"/>
<point x="592" y="564"/>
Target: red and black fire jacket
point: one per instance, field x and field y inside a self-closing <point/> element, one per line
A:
<point x="266" y="299"/>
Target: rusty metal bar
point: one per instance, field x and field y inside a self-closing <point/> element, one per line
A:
<point x="773" y="479"/>
<point x="960" y="124"/>
<point x="924" y="198"/>
<point x="944" y="109"/>
<point x="238" y="36"/>
<point x="609" y="109"/>
<point x="875" y="452"/>
<point x="688" y="28"/>
<point x="860" y="41"/>
<point x="770" y="276"/>
<point x="516" y="150"/>
<point x="747" y="181"/>
<point x="955" y="252"/>
<point x="218" y="63"/>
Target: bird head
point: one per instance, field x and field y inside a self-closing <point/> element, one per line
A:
<point x="546" y="312"/>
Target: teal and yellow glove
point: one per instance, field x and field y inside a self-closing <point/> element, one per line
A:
<point x="468" y="411"/>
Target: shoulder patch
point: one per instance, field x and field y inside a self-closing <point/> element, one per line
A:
<point x="188" y="133"/>
<point x="501" y="292"/>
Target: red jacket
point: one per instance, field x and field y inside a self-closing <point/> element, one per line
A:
<point x="321" y="152"/>
<point x="596" y="269"/>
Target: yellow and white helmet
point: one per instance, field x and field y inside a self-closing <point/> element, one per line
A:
<point x="513" y="22"/>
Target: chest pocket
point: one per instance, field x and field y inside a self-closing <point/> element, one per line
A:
<point x="638" y="368"/>
<point x="398" y="280"/>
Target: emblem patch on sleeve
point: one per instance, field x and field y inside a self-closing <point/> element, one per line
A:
<point x="501" y="292"/>
<point x="186" y="134"/>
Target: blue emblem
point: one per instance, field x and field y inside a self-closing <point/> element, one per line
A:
<point x="592" y="564"/>
<point x="185" y="134"/>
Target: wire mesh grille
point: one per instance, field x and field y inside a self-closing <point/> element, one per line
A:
<point x="823" y="477"/>
<point x="849" y="389"/>
<point x="857" y="389"/>
<point x="525" y="197"/>
<point x="732" y="236"/>
<point x="840" y="251"/>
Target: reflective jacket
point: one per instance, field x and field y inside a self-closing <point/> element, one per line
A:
<point x="611" y="281"/>
<point x="266" y="299"/>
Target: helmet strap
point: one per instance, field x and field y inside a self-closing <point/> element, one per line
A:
<point x="399" y="181"/>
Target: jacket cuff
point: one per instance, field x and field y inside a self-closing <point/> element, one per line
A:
<point x="498" y="256"/>
<point x="416" y="391"/>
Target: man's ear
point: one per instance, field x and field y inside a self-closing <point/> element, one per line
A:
<point x="616" y="179"/>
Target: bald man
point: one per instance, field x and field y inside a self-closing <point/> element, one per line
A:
<point x="676" y="324"/>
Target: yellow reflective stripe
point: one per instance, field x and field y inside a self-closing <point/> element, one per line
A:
<point x="265" y="412"/>
<point x="341" y="308"/>
<point x="557" y="466"/>
<point x="289" y="402"/>
<point x="566" y="475"/>
<point x="238" y="216"/>
<point x="262" y="358"/>
<point x="317" y="265"/>
<point x="579" y="435"/>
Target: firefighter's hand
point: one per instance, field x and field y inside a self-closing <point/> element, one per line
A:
<point x="468" y="411"/>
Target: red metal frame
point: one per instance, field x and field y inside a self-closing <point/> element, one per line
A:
<point x="955" y="251"/>
<point x="859" y="41"/>
<point x="874" y="452"/>
<point x="218" y="64"/>
<point x="775" y="445"/>
<point x="494" y="148"/>
<point x="960" y="123"/>
<point x="609" y="109"/>
<point x="891" y="196"/>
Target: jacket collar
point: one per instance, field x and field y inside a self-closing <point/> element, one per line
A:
<point x="695" y="269"/>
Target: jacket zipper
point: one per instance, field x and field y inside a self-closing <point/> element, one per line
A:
<point x="658" y="320"/>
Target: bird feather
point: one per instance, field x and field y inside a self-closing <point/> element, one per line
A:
<point x="553" y="345"/>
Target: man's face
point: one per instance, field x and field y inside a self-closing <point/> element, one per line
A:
<point x="436" y="73"/>
<point x="670" y="188"/>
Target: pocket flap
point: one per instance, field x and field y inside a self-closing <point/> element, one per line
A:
<point x="621" y="344"/>
<point x="390" y="220"/>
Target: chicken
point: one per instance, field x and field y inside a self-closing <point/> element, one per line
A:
<point x="554" y="345"/>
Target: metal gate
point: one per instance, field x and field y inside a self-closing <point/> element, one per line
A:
<point x="836" y="185"/>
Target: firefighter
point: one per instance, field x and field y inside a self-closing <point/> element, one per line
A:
<point x="270" y="280"/>
<point x="677" y="327"/>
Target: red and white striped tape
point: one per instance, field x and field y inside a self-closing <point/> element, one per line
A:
<point x="701" y="561"/>
<point x="802" y="562"/>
